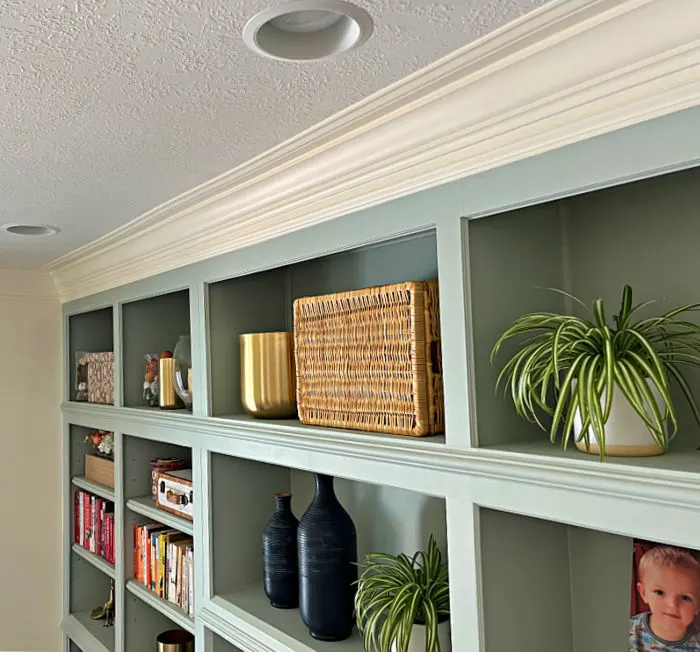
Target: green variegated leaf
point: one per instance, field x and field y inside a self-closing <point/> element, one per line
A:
<point x="566" y="364"/>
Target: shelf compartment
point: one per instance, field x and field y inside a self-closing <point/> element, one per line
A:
<point x="81" y="482"/>
<point x="150" y="325"/>
<point x="560" y="577"/>
<point x="77" y="450"/>
<point x="219" y="644"/>
<point x="249" y="610"/>
<point x="146" y="506"/>
<point x="87" y="633"/>
<point x="168" y="609"/>
<point x="591" y="245"/>
<point x="95" y="560"/>
<point x="143" y="621"/>
<point x="90" y="579"/>
<point x="387" y="519"/>
<point x="263" y="301"/>
<point x="89" y="332"/>
<point x="138" y="452"/>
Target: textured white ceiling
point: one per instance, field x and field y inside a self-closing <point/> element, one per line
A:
<point x="110" y="107"/>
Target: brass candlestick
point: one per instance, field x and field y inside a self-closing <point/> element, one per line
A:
<point x="268" y="376"/>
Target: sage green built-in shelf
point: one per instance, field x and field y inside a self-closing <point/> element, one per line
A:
<point x="146" y="506"/>
<point x="90" y="635"/>
<point x="165" y="607"/>
<point x="252" y="615"/>
<point x="97" y="561"/>
<point x="101" y="490"/>
<point x="540" y="535"/>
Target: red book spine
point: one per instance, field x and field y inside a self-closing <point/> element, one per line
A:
<point x="98" y="525"/>
<point x="88" y="533"/>
<point x="103" y="531"/>
<point x="111" y="538"/>
<point x="76" y="517"/>
<point x="108" y="551"/>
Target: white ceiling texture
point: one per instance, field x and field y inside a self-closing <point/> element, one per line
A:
<point x="110" y="107"/>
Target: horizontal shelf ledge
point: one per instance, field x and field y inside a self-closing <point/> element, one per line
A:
<point x="145" y="505"/>
<point x="96" y="488"/>
<point x="89" y="635"/>
<point x="247" y="619"/>
<point x="95" y="560"/>
<point x="168" y="609"/>
<point x="671" y="479"/>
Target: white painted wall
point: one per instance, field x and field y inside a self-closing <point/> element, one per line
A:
<point x="30" y="467"/>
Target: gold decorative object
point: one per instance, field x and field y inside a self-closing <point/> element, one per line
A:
<point x="105" y="612"/>
<point x="175" y="640"/>
<point x="167" y="396"/>
<point x="268" y="377"/>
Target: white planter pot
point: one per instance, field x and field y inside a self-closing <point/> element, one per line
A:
<point x="417" y="641"/>
<point x="626" y="434"/>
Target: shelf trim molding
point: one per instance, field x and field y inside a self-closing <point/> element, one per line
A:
<point x="81" y="482"/>
<point x="266" y="441"/>
<point x="554" y="77"/>
<point x="97" y="561"/>
<point x="168" y="609"/>
<point x="84" y="639"/>
<point x="160" y="515"/>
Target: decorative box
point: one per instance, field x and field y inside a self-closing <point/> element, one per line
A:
<point x="100" y="469"/>
<point x="175" y="493"/>
<point x="164" y="465"/>
<point x="100" y="377"/>
<point x="370" y="359"/>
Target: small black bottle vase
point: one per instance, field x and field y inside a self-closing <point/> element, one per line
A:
<point x="327" y="570"/>
<point x="279" y="544"/>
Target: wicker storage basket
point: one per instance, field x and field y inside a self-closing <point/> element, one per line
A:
<point x="370" y="359"/>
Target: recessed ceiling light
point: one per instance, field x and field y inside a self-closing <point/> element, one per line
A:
<point x="307" y="30"/>
<point x="31" y="229"/>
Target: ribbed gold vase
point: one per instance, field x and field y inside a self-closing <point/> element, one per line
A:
<point x="268" y="376"/>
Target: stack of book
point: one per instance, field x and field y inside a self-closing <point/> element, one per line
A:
<point x="93" y="520"/>
<point x="164" y="562"/>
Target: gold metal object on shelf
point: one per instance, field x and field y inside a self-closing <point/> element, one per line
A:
<point x="175" y="640"/>
<point x="167" y="396"/>
<point x="268" y="376"/>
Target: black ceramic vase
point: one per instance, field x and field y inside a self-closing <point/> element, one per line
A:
<point x="327" y="570"/>
<point x="280" y="555"/>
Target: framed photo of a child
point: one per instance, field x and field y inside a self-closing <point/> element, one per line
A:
<point x="665" y="599"/>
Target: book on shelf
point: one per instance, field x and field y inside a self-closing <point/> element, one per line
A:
<point x="163" y="562"/>
<point x="93" y="520"/>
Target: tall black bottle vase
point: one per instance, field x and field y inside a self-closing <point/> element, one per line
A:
<point x="327" y="565"/>
<point x="279" y="543"/>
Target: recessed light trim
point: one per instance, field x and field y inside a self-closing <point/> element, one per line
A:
<point x="307" y="30"/>
<point x="31" y="230"/>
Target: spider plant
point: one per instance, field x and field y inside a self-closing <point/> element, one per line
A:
<point x="568" y="364"/>
<point x="396" y="592"/>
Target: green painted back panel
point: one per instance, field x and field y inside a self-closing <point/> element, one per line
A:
<point x="89" y="332"/>
<point x="150" y="326"/>
<point x="526" y="590"/>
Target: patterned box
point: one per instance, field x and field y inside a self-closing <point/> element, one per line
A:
<point x="100" y="377"/>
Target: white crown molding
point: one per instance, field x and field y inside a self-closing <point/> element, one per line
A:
<point x="27" y="285"/>
<point x="569" y="71"/>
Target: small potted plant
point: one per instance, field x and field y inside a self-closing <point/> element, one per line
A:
<point x="402" y="603"/>
<point x="608" y="385"/>
<point x="100" y="467"/>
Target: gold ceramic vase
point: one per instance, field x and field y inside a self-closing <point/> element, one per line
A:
<point x="268" y="376"/>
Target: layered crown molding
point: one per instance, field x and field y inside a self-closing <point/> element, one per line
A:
<point x="566" y="72"/>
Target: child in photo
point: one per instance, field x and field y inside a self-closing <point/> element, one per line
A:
<point x="669" y="582"/>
